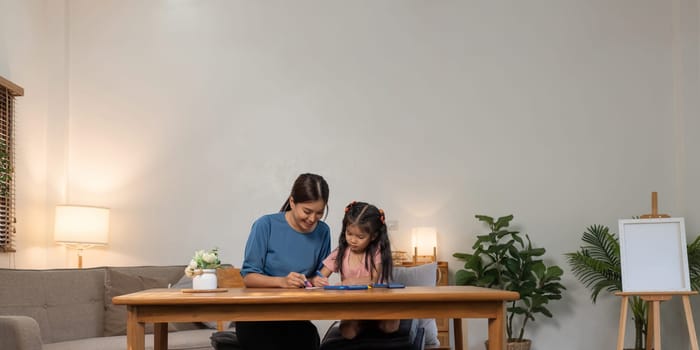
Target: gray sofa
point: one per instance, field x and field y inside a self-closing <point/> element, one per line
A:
<point x="71" y="309"/>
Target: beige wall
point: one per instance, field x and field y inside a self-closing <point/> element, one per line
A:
<point x="191" y="119"/>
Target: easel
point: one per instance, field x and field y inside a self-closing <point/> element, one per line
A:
<point x="653" y="300"/>
<point x="654" y="209"/>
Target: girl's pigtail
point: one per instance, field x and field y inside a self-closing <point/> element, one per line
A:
<point x="385" y="251"/>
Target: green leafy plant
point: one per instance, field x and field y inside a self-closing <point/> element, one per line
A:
<point x="597" y="265"/>
<point x="503" y="260"/>
<point x="6" y="170"/>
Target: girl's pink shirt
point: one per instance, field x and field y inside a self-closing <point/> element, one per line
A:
<point x="358" y="271"/>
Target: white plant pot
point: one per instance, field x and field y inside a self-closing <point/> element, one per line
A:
<point x="205" y="280"/>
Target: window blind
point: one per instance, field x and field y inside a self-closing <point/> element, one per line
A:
<point x="8" y="92"/>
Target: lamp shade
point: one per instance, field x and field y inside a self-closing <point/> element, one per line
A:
<point x="76" y="224"/>
<point x="424" y="239"/>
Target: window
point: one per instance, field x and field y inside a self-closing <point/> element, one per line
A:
<point x="8" y="92"/>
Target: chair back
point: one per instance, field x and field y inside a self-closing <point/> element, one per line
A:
<point x="229" y="278"/>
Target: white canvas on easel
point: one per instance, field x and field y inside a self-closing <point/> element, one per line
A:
<point x="654" y="267"/>
<point x="653" y="255"/>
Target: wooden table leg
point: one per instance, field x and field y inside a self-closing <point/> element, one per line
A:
<point x="459" y="337"/>
<point x="135" y="330"/>
<point x="689" y="321"/>
<point x="160" y="336"/>
<point x="623" y="321"/>
<point x="497" y="329"/>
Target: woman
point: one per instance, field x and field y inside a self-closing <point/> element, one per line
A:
<point x="284" y="250"/>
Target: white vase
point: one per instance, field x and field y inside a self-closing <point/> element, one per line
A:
<point x="205" y="280"/>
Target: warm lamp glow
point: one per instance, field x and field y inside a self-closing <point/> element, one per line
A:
<point x="81" y="227"/>
<point x="424" y="241"/>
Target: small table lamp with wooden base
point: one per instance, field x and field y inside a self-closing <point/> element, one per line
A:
<point x="424" y="240"/>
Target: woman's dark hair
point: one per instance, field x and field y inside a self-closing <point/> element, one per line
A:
<point x="371" y="220"/>
<point x="308" y="188"/>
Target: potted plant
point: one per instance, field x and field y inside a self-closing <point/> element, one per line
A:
<point x="597" y="266"/>
<point x="202" y="269"/>
<point x="503" y="260"/>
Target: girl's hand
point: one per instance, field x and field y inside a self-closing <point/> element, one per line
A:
<point x="321" y="277"/>
<point x="319" y="281"/>
<point x="294" y="280"/>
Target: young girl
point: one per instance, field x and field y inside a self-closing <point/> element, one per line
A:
<point x="363" y="256"/>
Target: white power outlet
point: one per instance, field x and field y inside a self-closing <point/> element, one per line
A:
<point x="392" y="225"/>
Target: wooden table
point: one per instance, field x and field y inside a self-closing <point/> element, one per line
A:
<point x="160" y="306"/>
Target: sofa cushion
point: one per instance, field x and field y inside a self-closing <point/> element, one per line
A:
<point x="69" y="304"/>
<point x="186" y="283"/>
<point x="116" y="284"/>
<point x="185" y="340"/>
<point x="120" y="281"/>
<point x="66" y="303"/>
<point x="421" y="275"/>
<point x="170" y="273"/>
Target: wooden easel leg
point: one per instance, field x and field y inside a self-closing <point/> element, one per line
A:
<point x="650" y="325"/>
<point x="623" y="320"/>
<point x="657" y="324"/>
<point x="691" y="325"/>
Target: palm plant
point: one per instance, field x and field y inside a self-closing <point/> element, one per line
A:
<point x="597" y="266"/>
<point x="694" y="263"/>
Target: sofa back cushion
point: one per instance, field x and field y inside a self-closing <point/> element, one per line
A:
<point x="125" y="280"/>
<point x="119" y="283"/>
<point x="170" y="273"/>
<point x="67" y="303"/>
<point x="421" y="275"/>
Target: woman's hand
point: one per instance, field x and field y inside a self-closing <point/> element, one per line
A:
<point x="294" y="280"/>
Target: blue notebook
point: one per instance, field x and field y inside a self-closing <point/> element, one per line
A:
<point x="388" y="285"/>
<point x="348" y="287"/>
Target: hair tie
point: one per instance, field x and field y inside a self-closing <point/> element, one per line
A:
<point x="347" y="207"/>
<point x="381" y="215"/>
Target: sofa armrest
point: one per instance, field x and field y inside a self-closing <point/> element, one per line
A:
<point x="19" y="332"/>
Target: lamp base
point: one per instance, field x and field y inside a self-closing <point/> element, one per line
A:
<point x="79" y="247"/>
<point x="424" y="258"/>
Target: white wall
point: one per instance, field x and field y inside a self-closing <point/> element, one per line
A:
<point x="31" y="56"/>
<point x="190" y="119"/>
<point x="687" y="94"/>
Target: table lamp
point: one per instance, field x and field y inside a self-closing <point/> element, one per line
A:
<point x="424" y="240"/>
<point x="81" y="227"/>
